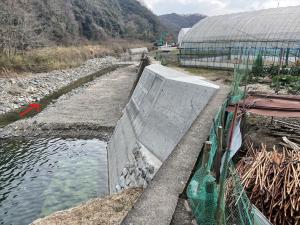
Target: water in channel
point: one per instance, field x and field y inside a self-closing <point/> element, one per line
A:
<point x="38" y="177"/>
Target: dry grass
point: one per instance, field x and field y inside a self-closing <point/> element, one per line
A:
<point x="219" y="76"/>
<point x="53" y="58"/>
<point x="107" y="211"/>
<point x="214" y="75"/>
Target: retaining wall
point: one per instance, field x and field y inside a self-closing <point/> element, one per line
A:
<point x="161" y="110"/>
<point x="136" y="53"/>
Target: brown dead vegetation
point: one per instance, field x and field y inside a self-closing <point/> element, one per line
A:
<point x="271" y="179"/>
<point x="107" y="211"/>
<point x="56" y="58"/>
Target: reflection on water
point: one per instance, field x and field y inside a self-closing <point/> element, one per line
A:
<point x="38" y="177"/>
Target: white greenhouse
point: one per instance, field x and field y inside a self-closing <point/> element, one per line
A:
<point x="181" y="35"/>
<point x="223" y="41"/>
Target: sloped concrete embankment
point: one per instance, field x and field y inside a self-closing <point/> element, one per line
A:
<point x="161" y="110"/>
<point x="24" y="89"/>
<point x="90" y="111"/>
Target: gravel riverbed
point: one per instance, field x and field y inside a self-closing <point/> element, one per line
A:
<point x="18" y="91"/>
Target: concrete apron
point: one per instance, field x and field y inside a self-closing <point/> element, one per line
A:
<point x="161" y="110"/>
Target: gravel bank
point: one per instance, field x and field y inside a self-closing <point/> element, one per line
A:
<point x="16" y="92"/>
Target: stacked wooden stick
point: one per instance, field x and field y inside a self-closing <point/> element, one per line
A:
<point x="272" y="182"/>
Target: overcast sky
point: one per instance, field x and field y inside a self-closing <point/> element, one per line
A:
<point x="213" y="7"/>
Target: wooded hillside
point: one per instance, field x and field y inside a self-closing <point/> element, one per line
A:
<point x="33" y="23"/>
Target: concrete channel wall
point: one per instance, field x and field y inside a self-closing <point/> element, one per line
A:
<point x="161" y="110"/>
<point x="136" y="53"/>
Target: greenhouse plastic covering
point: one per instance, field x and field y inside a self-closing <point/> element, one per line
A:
<point x="181" y="34"/>
<point x="279" y="24"/>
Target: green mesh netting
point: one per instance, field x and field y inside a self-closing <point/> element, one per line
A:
<point x="238" y="208"/>
<point x="213" y="134"/>
<point x="203" y="197"/>
<point x="239" y="76"/>
<point x="203" y="191"/>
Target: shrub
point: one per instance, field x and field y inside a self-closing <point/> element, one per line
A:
<point x="289" y="82"/>
<point x="258" y="69"/>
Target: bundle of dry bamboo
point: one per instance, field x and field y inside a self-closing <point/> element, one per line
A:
<point x="272" y="182"/>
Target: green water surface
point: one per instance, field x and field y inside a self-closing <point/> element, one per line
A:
<point x="38" y="177"/>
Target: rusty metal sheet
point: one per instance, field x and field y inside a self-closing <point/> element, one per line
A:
<point x="264" y="112"/>
<point x="276" y="105"/>
<point x="288" y="97"/>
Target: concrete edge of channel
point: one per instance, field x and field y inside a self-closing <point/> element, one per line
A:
<point x="158" y="202"/>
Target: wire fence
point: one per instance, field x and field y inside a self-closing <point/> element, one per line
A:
<point x="215" y="192"/>
<point x="227" y="54"/>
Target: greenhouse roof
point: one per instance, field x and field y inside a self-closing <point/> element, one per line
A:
<point x="279" y="24"/>
<point x="182" y="33"/>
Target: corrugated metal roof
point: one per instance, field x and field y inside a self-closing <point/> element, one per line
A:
<point x="279" y="24"/>
<point x="270" y="105"/>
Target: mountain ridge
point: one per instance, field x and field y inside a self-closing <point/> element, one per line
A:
<point x="175" y="21"/>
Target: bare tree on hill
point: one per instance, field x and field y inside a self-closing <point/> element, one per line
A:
<point x="18" y="28"/>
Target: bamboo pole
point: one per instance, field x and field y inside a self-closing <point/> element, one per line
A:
<point x="217" y="163"/>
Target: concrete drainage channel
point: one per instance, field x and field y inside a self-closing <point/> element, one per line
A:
<point x="57" y="158"/>
<point x="11" y="117"/>
<point x="157" y="137"/>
